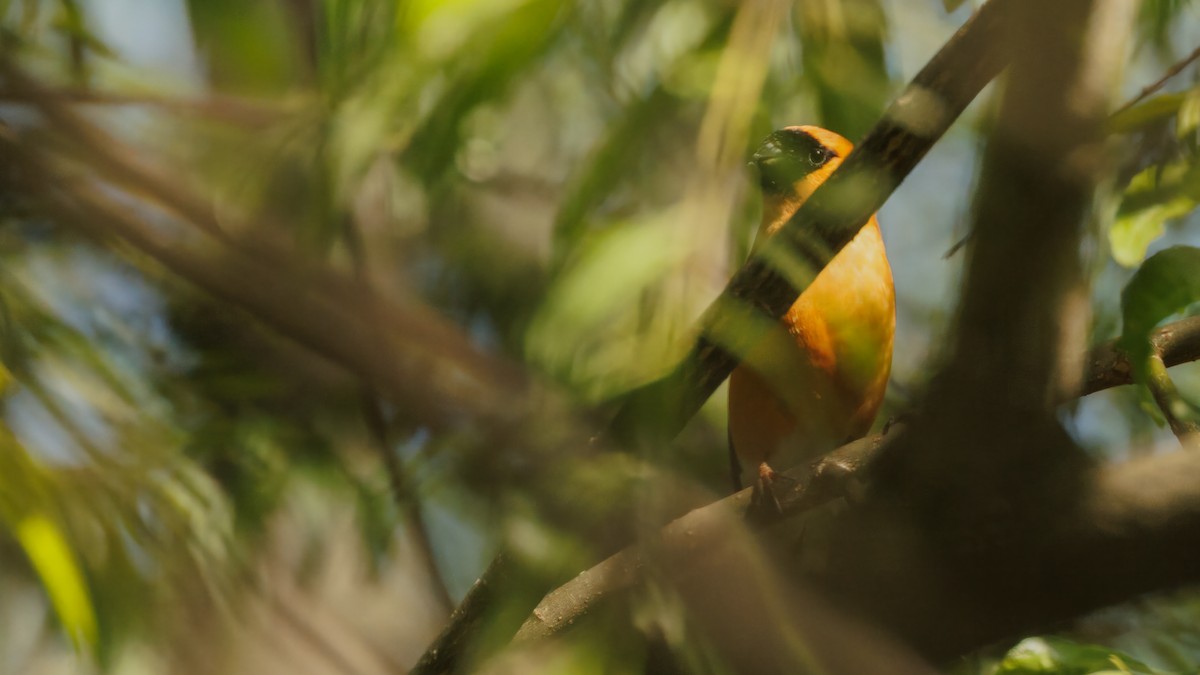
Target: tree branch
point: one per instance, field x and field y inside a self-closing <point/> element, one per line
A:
<point x="1107" y="366"/>
<point x="432" y="369"/>
<point x="230" y="109"/>
<point x="1158" y="84"/>
<point x="815" y="485"/>
<point x="1177" y="412"/>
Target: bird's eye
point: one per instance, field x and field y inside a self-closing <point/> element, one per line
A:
<point x="818" y="156"/>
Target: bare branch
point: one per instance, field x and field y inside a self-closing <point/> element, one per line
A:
<point x="1107" y="366"/>
<point x="1176" y="410"/>
<point x="1174" y="70"/>
<point x="693" y="535"/>
<point x="230" y="109"/>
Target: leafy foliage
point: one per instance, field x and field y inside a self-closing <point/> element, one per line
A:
<point x="1057" y="655"/>
<point x="1167" y="283"/>
<point x="556" y="186"/>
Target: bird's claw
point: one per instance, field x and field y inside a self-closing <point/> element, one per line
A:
<point x="764" y="502"/>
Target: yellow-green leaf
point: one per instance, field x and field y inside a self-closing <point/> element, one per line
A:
<point x="58" y="568"/>
<point x="1154" y="197"/>
<point x="1133" y="233"/>
<point x="1165" y="284"/>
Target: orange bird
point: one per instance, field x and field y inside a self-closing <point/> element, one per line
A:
<point x="798" y="396"/>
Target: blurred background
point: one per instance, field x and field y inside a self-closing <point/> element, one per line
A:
<point x="212" y="462"/>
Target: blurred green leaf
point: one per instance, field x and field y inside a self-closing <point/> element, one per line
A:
<point x="951" y="5"/>
<point x="604" y="167"/>
<point x="1154" y="197"/>
<point x="249" y="45"/>
<point x="57" y="566"/>
<point x="71" y="24"/>
<point x="607" y="164"/>
<point x="587" y="330"/>
<point x="1188" y="120"/>
<point x="1167" y="283"/>
<point x="492" y="56"/>
<point x="843" y="59"/>
<point x="1133" y="233"/>
<point x="1059" y="656"/>
<point x="29" y="511"/>
<point x="1156" y="17"/>
<point x="1147" y="112"/>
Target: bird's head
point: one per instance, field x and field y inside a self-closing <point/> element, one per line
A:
<point x="791" y="164"/>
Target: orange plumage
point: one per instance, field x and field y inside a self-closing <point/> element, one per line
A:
<point x="799" y="396"/>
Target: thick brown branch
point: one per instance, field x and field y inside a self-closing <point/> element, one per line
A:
<point x="1144" y="539"/>
<point x="692" y="536"/>
<point x="1107" y="366"/>
<point x="815" y="485"/>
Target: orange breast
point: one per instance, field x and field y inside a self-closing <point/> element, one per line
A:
<point x="801" y="395"/>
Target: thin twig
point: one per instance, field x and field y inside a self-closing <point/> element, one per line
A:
<point x="1146" y="91"/>
<point x="1179" y="415"/>
<point x="226" y="108"/>
<point x="1158" y="84"/>
<point x="403" y="494"/>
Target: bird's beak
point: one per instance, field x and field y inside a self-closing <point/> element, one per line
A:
<point x="768" y="152"/>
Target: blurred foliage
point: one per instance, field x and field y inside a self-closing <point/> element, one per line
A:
<point x="191" y="491"/>
<point x="1034" y="656"/>
<point x="1167" y="186"/>
<point x="1156" y="18"/>
<point x="1165" y="285"/>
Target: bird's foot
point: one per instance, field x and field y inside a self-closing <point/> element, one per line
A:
<point x="894" y="421"/>
<point x="764" y="502"/>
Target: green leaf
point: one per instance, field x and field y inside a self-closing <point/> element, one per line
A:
<point x="247" y="47"/>
<point x="843" y="58"/>
<point x="1156" y="19"/>
<point x="62" y="576"/>
<point x="27" y="509"/>
<point x="1058" y="656"/>
<point x="489" y="64"/>
<point x="1146" y="113"/>
<point x="1154" y="197"/>
<point x="1165" y="284"/>
<point x="1133" y="233"/>
<point x="951" y="5"/>
<point x="1189" y="115"/>
<point x="592" y="329"/>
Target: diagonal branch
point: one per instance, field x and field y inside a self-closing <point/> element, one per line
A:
<point x="1174" y="70"/>
<point x="775" y="276"/>
<point x="1107" y="366"/>
<point x="436" y="373"/>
